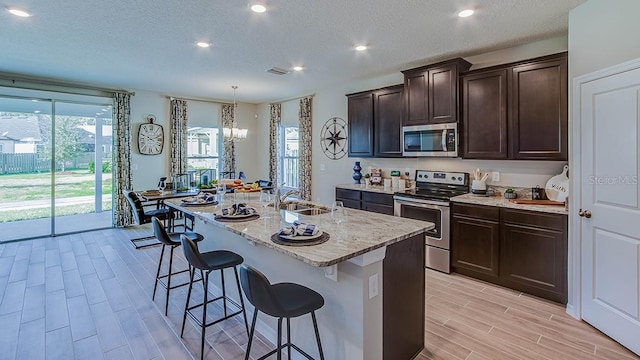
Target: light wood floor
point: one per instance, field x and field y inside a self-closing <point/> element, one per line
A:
<point x="88" y="296"/>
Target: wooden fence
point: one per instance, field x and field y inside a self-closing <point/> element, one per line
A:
<point x="33" y="163"/>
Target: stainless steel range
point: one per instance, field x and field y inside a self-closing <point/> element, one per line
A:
<point x="429" y="201"/>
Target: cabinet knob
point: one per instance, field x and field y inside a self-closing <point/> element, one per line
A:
<point x="584" y="213"/>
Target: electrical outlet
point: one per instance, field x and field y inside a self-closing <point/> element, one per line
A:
<point x="373" y="286"/>
<point x="495" y="176"/>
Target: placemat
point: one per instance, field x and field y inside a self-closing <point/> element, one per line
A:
<point x="224" y="219"/>
<point x="319" y="240"/>
<point x="184" y="203"/>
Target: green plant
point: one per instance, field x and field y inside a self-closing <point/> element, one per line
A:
<point x="509" y="191"/>
<point x="367" y="175"/>
<point x="92" y="167"/>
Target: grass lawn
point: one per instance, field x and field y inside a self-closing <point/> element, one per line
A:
<point x="22" y="187"/>
<point x="33" y="187"/>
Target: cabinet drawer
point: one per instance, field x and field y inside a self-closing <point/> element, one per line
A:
<point x="348" y="194"/>
<point x="535" y="219"/>
<point x="378" y="208"/>
<point x="351" y="204"/>
<point x="476" y="211"/>
<point x="384" y="199"/>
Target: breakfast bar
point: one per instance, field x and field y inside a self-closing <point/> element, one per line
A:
<point x="370" y="272"/>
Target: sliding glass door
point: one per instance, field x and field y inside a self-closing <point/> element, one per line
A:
<point x="55" y="167"/>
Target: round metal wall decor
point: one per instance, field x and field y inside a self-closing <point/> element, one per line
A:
<point x="333" y="138"/>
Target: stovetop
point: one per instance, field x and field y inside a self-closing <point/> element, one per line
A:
<point x="438" y="185"/>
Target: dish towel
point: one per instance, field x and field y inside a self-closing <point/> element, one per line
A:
<point x="300" y="229"/>
<point x="238" y="209"/>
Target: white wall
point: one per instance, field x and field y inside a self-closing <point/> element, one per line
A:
<point x="330" y="102"/>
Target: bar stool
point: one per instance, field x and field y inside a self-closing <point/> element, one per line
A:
<point x="283" y="300"/>
<point x="172" y="240"/>
<point x="207" y="262"/>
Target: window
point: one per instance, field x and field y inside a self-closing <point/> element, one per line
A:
<point x="203" y="149"/>
<point x="289" y="156"/>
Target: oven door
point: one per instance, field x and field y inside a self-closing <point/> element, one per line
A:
<point x="437" y="214"/>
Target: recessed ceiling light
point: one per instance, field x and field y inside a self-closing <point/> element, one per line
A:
<point x="258" y="8"/>
<point x="465" y="13"/>
<point x="361" y="47"/>
<point x="298" y="68"/>
<point x="17" y="11"/>
<point x="37" y="112"/>
<point x="203" y="44"/>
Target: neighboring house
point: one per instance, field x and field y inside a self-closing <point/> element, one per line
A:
<point x="19" y="134"/>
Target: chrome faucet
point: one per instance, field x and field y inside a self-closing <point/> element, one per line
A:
<point x="280" y="198"/>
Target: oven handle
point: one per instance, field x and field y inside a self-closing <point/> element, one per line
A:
<point x="408" y="201"/>
<point x="444" y="140"/>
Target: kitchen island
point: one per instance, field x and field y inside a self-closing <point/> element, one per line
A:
<point x="370" y="273"/>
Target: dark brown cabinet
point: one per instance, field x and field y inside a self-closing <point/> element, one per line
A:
<point x="432" y="93"/>
<point x="516" y="111"/>
<point x="360" y="108"/>
<point x="538" y="112"/>
<point x="533" y="253"/>
<point x="522" y="250"/>
<point x="475" y="241"/>
<point x="388" y="112"/>
<point x="375" y="122"/>
<point x="366" y="200"/>
<point x="484" y="110"/>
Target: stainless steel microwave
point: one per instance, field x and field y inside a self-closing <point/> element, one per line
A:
<point x="430" y="140"/>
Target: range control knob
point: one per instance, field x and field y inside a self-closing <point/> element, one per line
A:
<point x="420" y="176"/>
<point x="426" y="176"/>
<point x="459" y="178"/>
<point x="453" y="178"/>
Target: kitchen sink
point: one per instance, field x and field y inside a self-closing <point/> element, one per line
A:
<point x="294" y="206"/>
<point x="313" y="211"/>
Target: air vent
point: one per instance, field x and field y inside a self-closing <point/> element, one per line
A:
<point x="278" y="71"/>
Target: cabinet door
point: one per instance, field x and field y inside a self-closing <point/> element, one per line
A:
<point x="484" y="115"/>
<point x="533" y="253"/>
<point x="443" y="94"/>
<point x="377" y="208"/>
<point x="360" y="108"/>
<point x="475" y="247"/>
<point x="416" y="105"/>
<point x="538" y="110"/>
<point x="388" y="106"/>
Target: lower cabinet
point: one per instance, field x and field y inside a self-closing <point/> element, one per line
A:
<point x="522" y="250"/>
<point x="366" y="200"/>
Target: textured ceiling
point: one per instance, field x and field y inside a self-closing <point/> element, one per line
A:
<point x="149" y="44"/>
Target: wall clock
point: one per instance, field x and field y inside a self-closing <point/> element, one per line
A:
<point x="333" y="138"/>
<point x="150" y="137"/>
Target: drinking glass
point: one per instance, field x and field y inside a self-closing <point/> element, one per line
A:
<point x="220" y="190"/>
<point x="337" y="212"/>
<point x="265" y="200"/>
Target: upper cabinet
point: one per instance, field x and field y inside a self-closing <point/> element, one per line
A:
<point x="375" y="122"/>
<point x="516" y="111"/>
<point x="360" y="108"/>
<point x="538" y="112"/>
<point x="431" y="93"/>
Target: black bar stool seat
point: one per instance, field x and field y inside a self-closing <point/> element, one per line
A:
<point x="282" y="300"/>
<point x="172" y="240"/>
<point x="207" y="262"/>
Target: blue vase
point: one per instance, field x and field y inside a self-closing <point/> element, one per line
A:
<point x="356" y="173"/>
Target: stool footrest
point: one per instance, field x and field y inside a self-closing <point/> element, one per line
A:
<point x="199" y="322"/>
<point x="283" y="346"/>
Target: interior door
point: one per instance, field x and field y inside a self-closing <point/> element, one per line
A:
<point x="610" y="200"/>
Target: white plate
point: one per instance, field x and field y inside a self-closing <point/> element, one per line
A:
<point x="301" y="237"/>
<point x="557" y="187"/>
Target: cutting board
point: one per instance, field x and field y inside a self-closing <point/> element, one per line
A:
<point x="536" y="202"/>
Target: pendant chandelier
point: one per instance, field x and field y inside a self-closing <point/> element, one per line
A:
<point x="234" y="132"/>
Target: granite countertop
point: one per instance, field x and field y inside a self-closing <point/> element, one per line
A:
<point x="499" y="201"/>
<point x="360" y="233"/>
<point x="371" y="188"/>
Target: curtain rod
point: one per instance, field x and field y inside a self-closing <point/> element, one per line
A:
<point x="44" y="84"/>
<point x="196" y="99"/>
<point x="292" y="98"/>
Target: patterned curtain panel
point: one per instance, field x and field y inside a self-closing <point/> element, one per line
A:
<point x="122" y="215"/>
<point x="274" y="146"/>
<point x="229" y="154"/>
<point x="304" y="155"/>
<point x="178" y="120"/>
